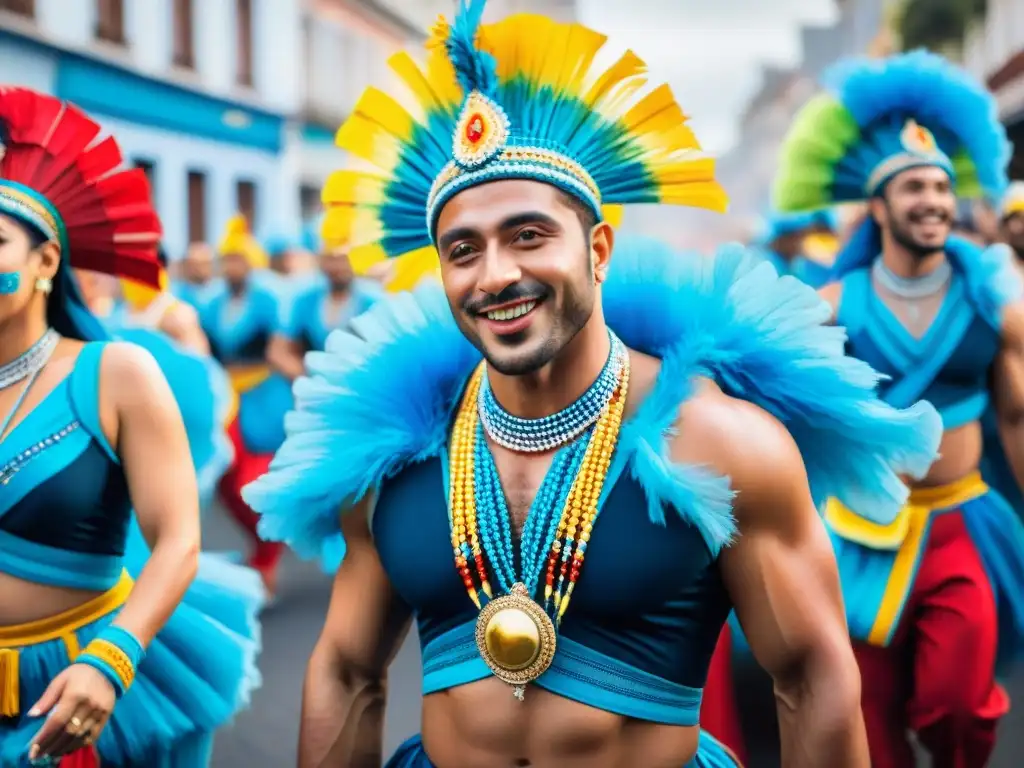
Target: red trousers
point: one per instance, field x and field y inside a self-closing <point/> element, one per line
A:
<point x="83" y="758"/>
<point x="936" y="678"/>
<point x="246" y="468"/>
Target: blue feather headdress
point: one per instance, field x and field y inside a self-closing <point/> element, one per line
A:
<point x="513" y="100"/>
<point x="879" y="117"/>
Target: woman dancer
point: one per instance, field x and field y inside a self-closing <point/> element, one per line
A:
<point x="91" y="662"/>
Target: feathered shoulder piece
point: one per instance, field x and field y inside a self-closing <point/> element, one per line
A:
<point x="58" y="175"/>
<point x="381" y="396"/>
<point x="518" y="99"/>
<point x="877" y="117"/>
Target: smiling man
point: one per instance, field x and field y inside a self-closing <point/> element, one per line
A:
<point x="566" y="468"/>
<point x="934" y="593"/>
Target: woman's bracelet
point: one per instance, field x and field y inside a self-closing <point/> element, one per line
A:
<point x="116" y="653"/>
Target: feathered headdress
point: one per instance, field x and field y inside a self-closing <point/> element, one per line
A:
<point x="59" y="177"/>
<point x="237" y="239"/>
<point x="1013" y="200"/>
<point x="511" y="100"/>
<point x="879" y="117"/>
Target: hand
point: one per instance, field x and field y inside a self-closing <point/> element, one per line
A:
<point x="79" y="700"/>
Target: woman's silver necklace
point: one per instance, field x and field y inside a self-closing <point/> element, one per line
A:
<point x="29" y="362"/>
<point x="26" y="368"/>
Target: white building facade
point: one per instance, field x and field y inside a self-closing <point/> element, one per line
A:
<point x="198" y="92"/>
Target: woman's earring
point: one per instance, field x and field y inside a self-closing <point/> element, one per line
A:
<point x="44" y="285"/>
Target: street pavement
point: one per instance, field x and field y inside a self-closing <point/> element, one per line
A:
<point x="265" y="736"/>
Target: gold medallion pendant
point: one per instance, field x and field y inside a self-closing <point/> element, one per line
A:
<point x="516" y="639"/>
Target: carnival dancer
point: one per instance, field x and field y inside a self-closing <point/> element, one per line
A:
<point x="240" y="317"/>
<point x="194" y="274"/>
<point x="1011" y="220"/>
<point x="523" y="417"/>
<point x="801" y="245"/>
<point x="92" y="663"/>
<point x="933" y="594"/>
<point x="320" y="308"/>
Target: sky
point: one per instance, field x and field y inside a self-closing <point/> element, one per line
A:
<point x="710" y="51"/>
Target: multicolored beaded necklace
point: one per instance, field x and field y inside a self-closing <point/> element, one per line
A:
<point x="515" y="633"/>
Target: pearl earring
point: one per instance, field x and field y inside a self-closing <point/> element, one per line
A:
<point x="44" y="285"/>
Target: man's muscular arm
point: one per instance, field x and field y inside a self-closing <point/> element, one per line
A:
<point x="1008" y="388"/>
<point x="781" y="575"/>
<point x="344" y="693"/>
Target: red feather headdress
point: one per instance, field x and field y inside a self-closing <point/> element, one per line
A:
<point x="53" y="170"/>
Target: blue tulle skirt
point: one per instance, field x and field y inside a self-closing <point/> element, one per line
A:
<point x="710" y="754"/>
<point x="198" y="672"/>
<point x="207" y="403"/>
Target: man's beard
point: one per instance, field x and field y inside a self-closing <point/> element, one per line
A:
<point x="901" y="234"/>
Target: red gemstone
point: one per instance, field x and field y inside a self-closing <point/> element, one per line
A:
<point x="475" y="128"/>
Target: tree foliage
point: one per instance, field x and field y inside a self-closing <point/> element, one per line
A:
<point x="938" y="24"/>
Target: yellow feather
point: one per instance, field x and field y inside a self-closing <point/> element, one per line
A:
<point x="625" y="74"/>
<point x="345" y="225"/>
<point x="613" y="215"/>
<point x="412" y="267"/>
<point x="354" y="187"/>
<point x="364" y="257"/>
<point x="433" y="93"/>
<point x="685" y="171"/>
<point x="709" y="195"/>
<point x="364" y="138"/>
<point x="382" y="109"/>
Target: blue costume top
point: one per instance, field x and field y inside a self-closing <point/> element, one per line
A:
<point x="950" y="365"/>
<point x="649" y="608"/>
<point x="309" y="320"/>
<point x="65" y="509"/>
<point x="239" y="329"/>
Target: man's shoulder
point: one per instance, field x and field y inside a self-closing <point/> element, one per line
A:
<point x="739" y="440"/>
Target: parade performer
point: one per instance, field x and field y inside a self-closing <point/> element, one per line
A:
<point x="240" y="317"/>
<point x="934" y="593"/>
<point x="326" y="305"/>
<point x="582" y="435"/>
<point x="798" y="245"/>
<point x="92" y="662"/>
<point x="1011" y="220"/>
<point x="194" y="274"/>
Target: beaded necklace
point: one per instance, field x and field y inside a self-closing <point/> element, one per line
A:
<point x="549" y="432"/>
<point x="30" y="361"/>
<point x="515" y="634"/>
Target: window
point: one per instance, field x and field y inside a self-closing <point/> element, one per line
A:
<point x="309" y="201"/>
<point x="196" y="207"/>
<point x="246" y="198"/>
<point x="243" y="20"/>
<point x="110" y="20"/>
<point x="184" y="55"/>
<point x="21" y="7"/>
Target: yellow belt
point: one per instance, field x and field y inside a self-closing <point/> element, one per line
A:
<point x="906" y="535"/>
<point x="61" y="626"/>
<point x="247" y="377"/>
<point x="922" y="502"/>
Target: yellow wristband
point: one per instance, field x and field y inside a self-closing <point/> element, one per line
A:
<point x="113" y="657"/>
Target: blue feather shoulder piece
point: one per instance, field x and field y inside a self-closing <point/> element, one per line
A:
<point x="381" y="396"/>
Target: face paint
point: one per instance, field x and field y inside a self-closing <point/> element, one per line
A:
<point x="9" y="282"/>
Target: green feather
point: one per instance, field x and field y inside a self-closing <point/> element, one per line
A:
<point x="968" y="185"/>
<point x="819" y="138"/>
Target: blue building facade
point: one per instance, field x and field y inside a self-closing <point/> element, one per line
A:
<point x="201" y="93"/>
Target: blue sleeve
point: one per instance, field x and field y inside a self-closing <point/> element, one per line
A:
<point x="288" y="321"/>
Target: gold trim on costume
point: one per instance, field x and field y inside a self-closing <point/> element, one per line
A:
<point x="245" y="378"/>
<point x="61" y="626"/>
<point x="860" y="530"/>
<point x="25" y="203"/>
